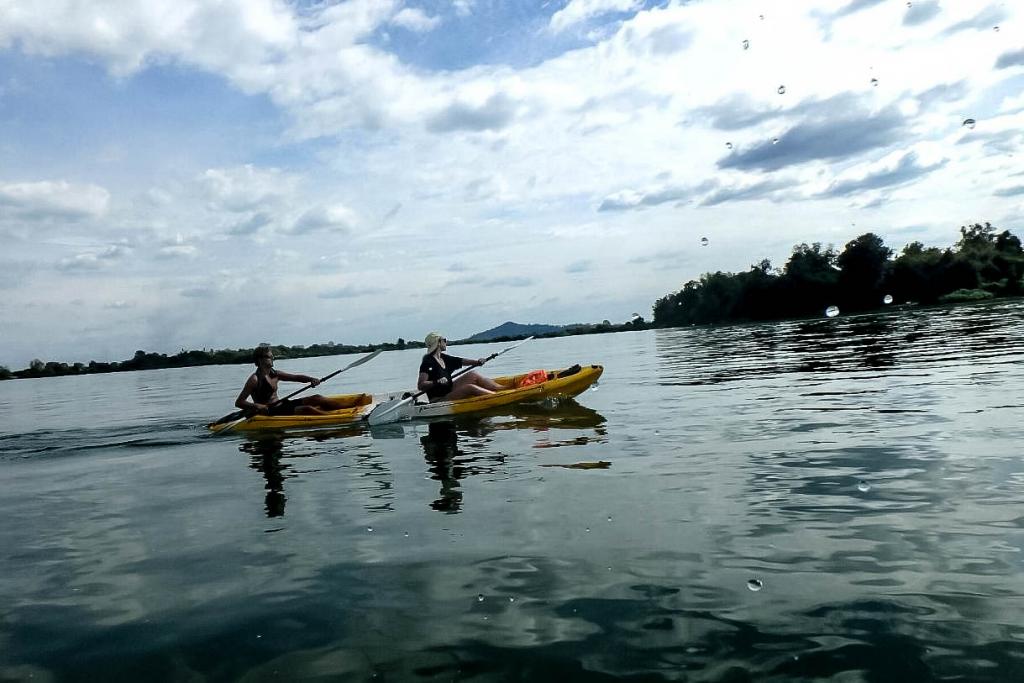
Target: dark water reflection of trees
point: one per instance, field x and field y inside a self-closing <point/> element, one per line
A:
<point x="908" y="339"/>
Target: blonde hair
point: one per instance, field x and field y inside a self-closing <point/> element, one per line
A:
<point x="432" y="340"/>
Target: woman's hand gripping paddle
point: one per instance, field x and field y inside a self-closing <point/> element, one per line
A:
<point x="391" y="411"/>
<point x="365" y="359"/>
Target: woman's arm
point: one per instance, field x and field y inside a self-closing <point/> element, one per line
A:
<point x="423" y="382"/>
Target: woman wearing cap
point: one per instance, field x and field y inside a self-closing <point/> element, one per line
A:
<point x="436" y="374"/>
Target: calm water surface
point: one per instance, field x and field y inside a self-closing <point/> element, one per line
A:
<point x="826" y="500"/>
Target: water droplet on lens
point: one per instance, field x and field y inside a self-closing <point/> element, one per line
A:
<point x="863" y="487"/>
<point x="511" y="599"/>
<point x="588" y="529"/>
<point x="728" y="145"/>
<point x="704" y="241"/>
<point x="969" y="123"/>
<point x="480" y="597"/>
<point x="782" y="90"/>
<point x="832" y="311"/>
<point x="887" y="299"/>
<point x="755" y="585"/>
<point x="609" y="518"/>
<point x="369" y="528"/>
<point x="775" y="141"/>
<point x="874" y="82"/>
<point x="593" y="387"/>
<point x="762" y="17"/>
<point x="996" y="29"/>
<point x="746" y="43"/>
<point x="910" y="4"/>
<point x="406" y="534"/>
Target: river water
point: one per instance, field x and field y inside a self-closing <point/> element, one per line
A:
<point x="837" y="499"/>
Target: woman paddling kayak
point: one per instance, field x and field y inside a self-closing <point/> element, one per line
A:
<point x="436" y="374"/>
<point x="262" y="387"/>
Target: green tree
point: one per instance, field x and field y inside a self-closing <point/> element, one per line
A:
<point x="864" y="265"/>
<point x="809" y="280"/>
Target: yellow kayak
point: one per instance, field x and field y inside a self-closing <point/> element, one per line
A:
<point x="356" y="406"/>
<point x="524" y="387"/>
<point x="568" y="382"/>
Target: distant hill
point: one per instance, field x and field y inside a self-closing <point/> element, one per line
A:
<point x="511" y="329"/>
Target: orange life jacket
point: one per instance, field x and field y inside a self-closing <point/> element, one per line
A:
<point x="534" y="377"/>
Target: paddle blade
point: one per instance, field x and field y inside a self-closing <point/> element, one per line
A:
<point x="230" y="417"/>
<point x="388" y="412"/>
<point x="223" y="429"/>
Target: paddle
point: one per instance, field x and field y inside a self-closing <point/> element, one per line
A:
<point x="351" y="365"/>
<point x="388" y="412"/>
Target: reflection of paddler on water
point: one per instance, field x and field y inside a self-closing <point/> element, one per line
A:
<point x="262" y="388"/>
<point x="436" y="370"/>
<point x="440" y="450"/>
<point x="266" y="459"/>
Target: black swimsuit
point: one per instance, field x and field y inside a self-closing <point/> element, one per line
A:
<point x="435" y="372"/>
<point x="265" y="390"/>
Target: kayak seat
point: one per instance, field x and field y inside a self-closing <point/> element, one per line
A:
<point x="568" y="372"/>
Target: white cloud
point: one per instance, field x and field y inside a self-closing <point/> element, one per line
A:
<point x="128" y="36"/>
<point x="334" y="218"/>
<point x="177" y="251"/>
<point x="463" y="8"/>
<point x="578" y="11"/>
<point x="94" y="260"/>
<point x="245" y="188"/>
<point x="415" y="19"/>
<point x="54" y="199"/>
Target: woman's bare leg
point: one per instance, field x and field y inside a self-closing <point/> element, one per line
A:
<point x="465" y="390"/>
<point x="479" y="380"/>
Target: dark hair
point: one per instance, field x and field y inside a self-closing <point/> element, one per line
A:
<point x="259" y="352"/>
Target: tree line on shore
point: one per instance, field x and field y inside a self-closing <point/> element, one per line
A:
<point x="983" y="264"/>
<point x="143" y="360"/>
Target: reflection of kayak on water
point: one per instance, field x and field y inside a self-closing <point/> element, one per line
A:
<point x="549" y="413"/>
<point x="556" y="383"/>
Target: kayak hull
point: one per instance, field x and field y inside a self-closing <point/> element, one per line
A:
<point x="357" y="406"/>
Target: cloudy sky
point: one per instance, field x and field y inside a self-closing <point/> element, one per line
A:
<point x="189" y="174"/>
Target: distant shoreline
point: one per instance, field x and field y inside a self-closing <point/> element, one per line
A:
<point x="154" y="361"/>
<point x="143" y="360"/>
